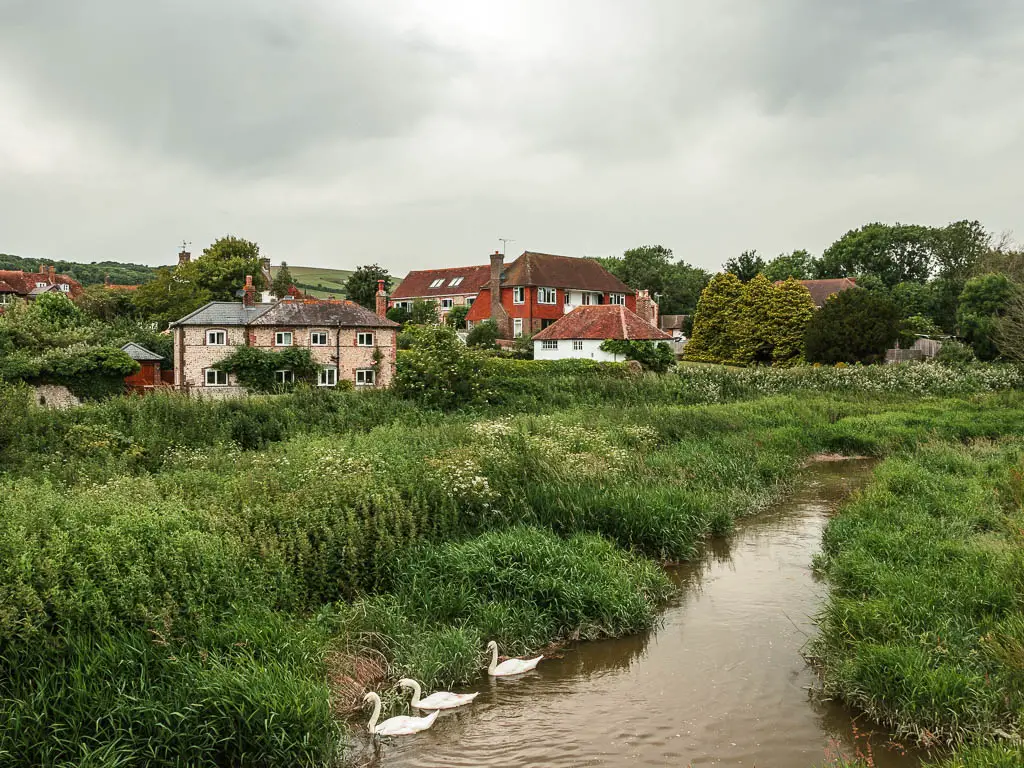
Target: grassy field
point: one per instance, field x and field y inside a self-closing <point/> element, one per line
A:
<point x="194" y="582"/>
<point x="322" y="282"/>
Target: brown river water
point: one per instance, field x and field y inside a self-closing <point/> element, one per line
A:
<point x="721" y="681"/>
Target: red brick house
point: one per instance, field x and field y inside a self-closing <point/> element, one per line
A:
<point x="14" y="283"/>
<point x="451" y="287"/>
<point x="537" y="289"/>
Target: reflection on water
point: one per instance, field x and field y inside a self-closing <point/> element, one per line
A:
<point x="719" y="682"/>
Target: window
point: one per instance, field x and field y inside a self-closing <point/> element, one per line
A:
<point x="65" y="287"/>
<point x="568" y="298"/>
<point x="283" y="339"/>
<point x="215" y="378"/>
<point x="545" y="323"/>
<point x="318" y="339"/>
<point x="470" y="300"/>
<point x="587" y="298"/>
<point x="517" y="327"/>
<point x="549" y="344"/>
<point x="547" y="296"/>
<point x="5" y="298"/>
<point x="328" y="377"/>
<point x="364" y="339"/>
<point x="365" y="377"/>
<point x="447" y="303"/>
<point x="455" y="281"/>
<point x="437" y="283"/>
<point x="616" y="298"/>
<point x="518" y="294"/>
<point x="284" y="377"/>
<point x="40" y="285"/>
<point x="216" y="338"/>
<point x="577" y="345"/>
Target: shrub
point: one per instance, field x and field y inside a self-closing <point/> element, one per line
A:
<point x="854" y="326"/>
<point x="713" y="339"/>
<point x="653" y="356"/>
<point x="983" y="300"/>
<point x="257" y="368"/>
<point x="484" y="335"/>
<point x="954" y="353"/>
<point x="439" y="371"/>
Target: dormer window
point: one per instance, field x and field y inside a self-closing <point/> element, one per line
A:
<point x="455" y="281"/>
<point x="437" y="283"/>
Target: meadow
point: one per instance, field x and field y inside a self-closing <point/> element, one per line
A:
<point x="207" y="583"/>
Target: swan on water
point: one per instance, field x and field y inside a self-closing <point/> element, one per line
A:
<point x="509" y="667"/>
<point x="437" y="700"/>
<point x="396" y="726"/>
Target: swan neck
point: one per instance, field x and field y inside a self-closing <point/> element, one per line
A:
<point x="415" y="693"/>
<point x="494" y="658"/>
<point x="375" y="715"/>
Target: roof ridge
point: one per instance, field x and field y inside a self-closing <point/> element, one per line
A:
<point x="622" y="319"/>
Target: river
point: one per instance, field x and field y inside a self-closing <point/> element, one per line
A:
<point x="720" y="681"/>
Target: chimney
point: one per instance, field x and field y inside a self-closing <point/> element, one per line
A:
<point x="382" y="300"/>
<point x="249" y="293"/>
<point x="53" y="275"/>
<point x="497" y="262"/>
<point x="106" y="279"/>
<point x="647" y="307"/>
<point x="184" y="257"/>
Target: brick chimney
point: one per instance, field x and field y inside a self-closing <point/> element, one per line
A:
<point x="184" y="257"/>
<point x="53" y="273"/>
<point x="497" y="262"/>
<point x="382" y="300"/>
<point x="647" y="307"/>
<point x="42" y="269"/>
<point x="249" y="293"/>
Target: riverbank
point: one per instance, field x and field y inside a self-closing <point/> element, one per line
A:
<point x="924" y="626"/>
<point x="182" y="600"/>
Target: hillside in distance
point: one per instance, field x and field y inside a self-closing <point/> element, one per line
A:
<point x="86" y="274"/>
<point x="324" y="283"/>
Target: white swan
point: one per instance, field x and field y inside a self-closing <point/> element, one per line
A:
<point x="396" y="726"/>
<point x="437" y="700"/>
<point x="509" y="667"/>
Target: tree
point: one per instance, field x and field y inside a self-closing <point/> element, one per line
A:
<point x="791" y="311"/>
<point x="675" y="285"/>
<point x="424" y="312"/>
<point x="282" y="281"/>
<point x="894" y="253"/>
<point x="1009" y="330"/>
<point x="854" y="326"/>
<point x="798" y="265"/>
<point x="223" y="267"/>
<point x="440" y="371"/>
<point x="713" y="339"/>
<point x="914" y="299"/>
<point x="361" y="286"/>
<point x="746" y="267"/>
<point x="484" y="335"/>
<point x="106" y="304"/>
<point x="984" y="299"/>
<point x="170" y="296"/>
<point x="457" y="316"/>
<point x="752" y="328"/>
<point x="398" y="315"/>
<point x="914" y="327"/>
<point x="959" y="248"/>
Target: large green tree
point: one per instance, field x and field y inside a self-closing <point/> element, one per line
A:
<point x="223" y="267"/>
<point x="798" y="265"/>
<point x="171" y="296"/>
<point x="746" y="266"/>
<point x="895" y="253"/>
<point x="361" y="286"/>
<point x="984" y="299"/>
<point x="713" y="339"/>
<point x="675" y="284"/>
<point x="791" y="311"/>
<point x="854" y="326"/>
<point x="282" y="281"/>
<point x="752" y="327"/>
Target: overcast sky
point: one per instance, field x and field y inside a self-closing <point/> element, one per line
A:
<point x="416" y="133"/>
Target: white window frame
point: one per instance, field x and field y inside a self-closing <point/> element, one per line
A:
<point x="518" y="294"/>
<point x="279" y="338"/>
<point x="364" y="339"/>
<point x="549" y="344"/>
<point x="517" y="327"/>
<point x="437" y="283"/>
<point x="568" y="298"/>
<point x="284" y="376"/>
<point x="40" y="285"/>
<point x="455" y="281"/>
<point x="368" y="375"/>
<point x="327" y="377"/>
<point x="313" y="338"/>
<point x="5" y="298"/>
<point x="65" y="287"/>
<point x="223" y="334"/>
<point x="447" y="303"/>
<point x="470" y="300"/>
<point x="619" y="299"/>
<point x="577" y="345"/>
<point x="216" y="375"/>
<point x="547" y="296"/>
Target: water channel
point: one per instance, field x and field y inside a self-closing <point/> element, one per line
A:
<point x="719" y="682"/>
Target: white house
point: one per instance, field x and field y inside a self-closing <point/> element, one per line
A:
<point x="580" y="333"/>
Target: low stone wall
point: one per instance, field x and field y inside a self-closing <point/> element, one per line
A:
<point x="55" y="396"/>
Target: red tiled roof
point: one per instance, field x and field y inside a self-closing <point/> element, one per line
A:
<point x="417" y="283"/>
<point x="821" y="289"/>
<point x="116" y="287"/>
<point x="23" y="283"/>
<point x="481" y="309"/>
<point x="547" y="269"/>
<point x="602" y="321"/>
<point x="6" y="287"/>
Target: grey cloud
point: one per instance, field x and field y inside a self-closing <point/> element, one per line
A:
<point x="242" y="85"/>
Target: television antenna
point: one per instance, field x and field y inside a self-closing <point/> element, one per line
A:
<point x="504" y="242"/>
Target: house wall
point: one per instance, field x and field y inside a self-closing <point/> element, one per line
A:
<point x="458" y="300"/>
<point x="147" y="377"/>
<point x="534" y="313"/>
<point x="591" y="351"/>
<point x="194" y="356"/>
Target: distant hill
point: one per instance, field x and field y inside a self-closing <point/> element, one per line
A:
<point x="321" y="282"/>
<point x="86" y="274"/>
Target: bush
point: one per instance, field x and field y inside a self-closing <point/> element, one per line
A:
<point x="653" y="356"/>
<point x="953" y="353"/>
<point x="854" y="326"/>
<point x="439" y="371"/>
<point x="256" y="369"/>
<point x="484" y="335"/>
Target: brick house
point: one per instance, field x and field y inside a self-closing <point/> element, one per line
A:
<point x="453" y="287"/>
<point x="342" y="337"/>
<point x="581" y="333"/>
<point x="537" y="289"/>
<point x="15" y="283"/>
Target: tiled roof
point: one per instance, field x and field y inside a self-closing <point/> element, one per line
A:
<point x="821" y="289"/>
<point x="23" y="283"/>
<point x="6" y="287"/>
<point x="602" y="321"/>
<point x="117" y="287"/>
<point x="481" y="309"/>
<point x="417" y="283"/>
<point x="223" y="313"/>
<point x="546" y="269"/>
<point x="321" y="313"/>
<point x="139" y="352"/>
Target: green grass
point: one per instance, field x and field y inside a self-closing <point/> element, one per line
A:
<point x="323" y="282"/>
